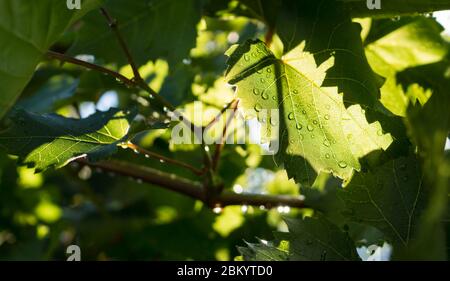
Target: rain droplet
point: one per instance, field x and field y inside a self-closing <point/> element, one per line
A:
<point x="264" y="96"/>
<point x="274" y="97"/>
<point x="327" y="117"/>
<point x="315" y="122"/>
<point x="262" y="80"/>
<point x="259" y="71"/>
<point x="295" y="92"/>
<point x="304" y="111"/>
<point x="291" y="116"/>
<point x="269" y="70"/>
<point x="326" y="143"/>
<point x="312" y="136"/>
<point x="258" y="107"/>
<point x="342" y="164"/>
<point x="323" y="257"/>
<point x="299" y="126"/>
<point x="327" y="155"/>
<point x="273" y="121"/>
<point x="256" y="91"/>
<point x="310" y="128"/>
<point x="246" y="57"/>
<point x="161" y="161"/>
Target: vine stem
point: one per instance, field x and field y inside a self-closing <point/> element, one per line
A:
<point x="148" y="153"/>
<point x="219" y="146"/>
<point x="194" y="189"/>
<point x="113" y="24"/>
<point x="88" y="65"/>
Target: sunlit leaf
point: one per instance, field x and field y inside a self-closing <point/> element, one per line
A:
<point x="317" y="132"/>
<point x="49" y="140"/>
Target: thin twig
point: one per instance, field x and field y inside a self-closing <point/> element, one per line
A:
<point x="148" y="153"/>
<point x="65" y="58"/>
<point x="194" y="189"/>
<point x="114" y="25"/>
<point x="222" y="111"/>
<point x="220" y="145"/>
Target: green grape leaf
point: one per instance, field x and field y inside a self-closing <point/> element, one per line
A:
<point x="316" y="131"/>
<point x="27" y="30"/>
<point x="262" y="251"/>
<point x="57" y="91"/>
<point x="317" y="239"/>
<point x="328" y="30"/>
<point x="43" y="141"/>
<point x="390" y="198"/>
<point x="420" y="42"/>
<point x="147" y="27"/>
<point x="429" y="126"/>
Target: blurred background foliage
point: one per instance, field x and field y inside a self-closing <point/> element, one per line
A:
<point x="115" y="218"/>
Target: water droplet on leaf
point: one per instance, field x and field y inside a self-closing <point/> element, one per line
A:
<point x="291" y="116"/>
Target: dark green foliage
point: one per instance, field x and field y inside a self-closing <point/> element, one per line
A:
<point x="363" y="97"/>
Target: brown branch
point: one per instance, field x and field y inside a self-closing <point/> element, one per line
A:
<point x="150" y="175"/>
<point x="148" y="153"/>
<point x="215" y="161"/>
<point x="65" y="58"/>
<point x="194" y="189"/>
<point x="268" y="38"/>
<point x="114" y="25"/>
<point x="268" y="201"/>
<point x="222" y="111"/>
